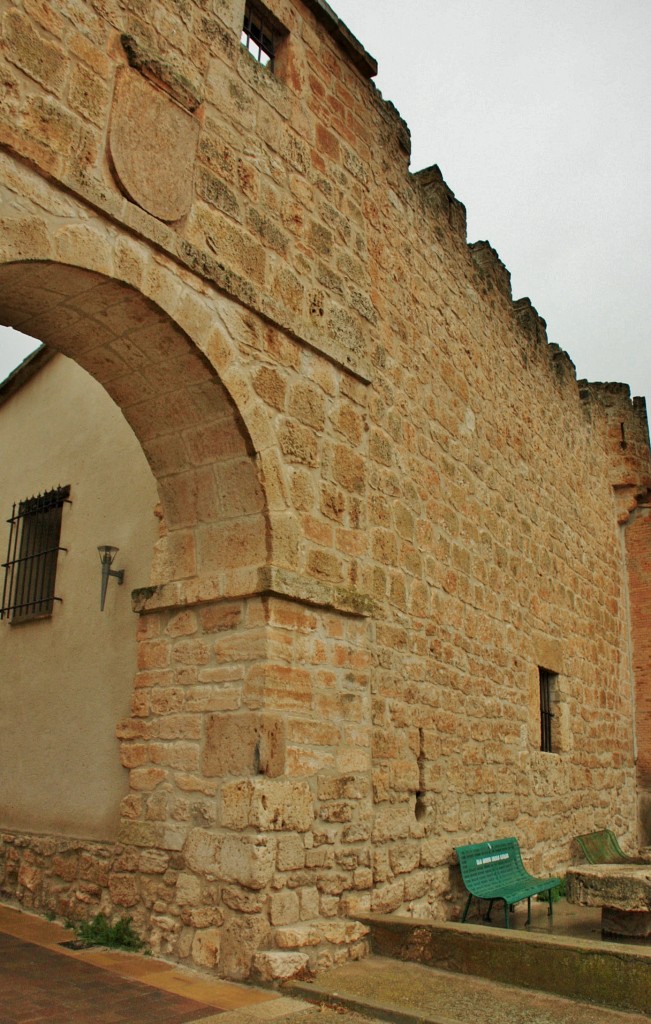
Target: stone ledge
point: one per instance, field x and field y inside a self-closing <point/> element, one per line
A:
<point x="605" y="973"/>
<point x="265" y="581"/>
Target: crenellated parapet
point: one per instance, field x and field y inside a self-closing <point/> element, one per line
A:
<point x="492" y="270"/>
<point x="622" y="423"/>
<point x="440" y="199"/>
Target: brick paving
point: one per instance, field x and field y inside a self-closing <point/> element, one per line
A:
<point x="39" y="986"/>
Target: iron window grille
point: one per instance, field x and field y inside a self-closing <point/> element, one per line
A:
<point x="32" y="553"/>
<point x="261" y="34"/>
<point x="546" y="713"/>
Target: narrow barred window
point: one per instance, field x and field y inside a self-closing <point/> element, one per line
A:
<point x="261" y="33"/>
<point x="32" y="553"/>
<point x="547" y="682"/>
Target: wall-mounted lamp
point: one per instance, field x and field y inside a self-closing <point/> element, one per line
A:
<point x="106" y="555"/>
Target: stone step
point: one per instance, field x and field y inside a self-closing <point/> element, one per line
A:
<point x="611" y="974"/>
<point x="410" y="993"/>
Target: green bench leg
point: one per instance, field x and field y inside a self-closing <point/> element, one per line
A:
<point x="466" y="909"/>
<point x="487" y="915"/>
<point x="507" y="909"/>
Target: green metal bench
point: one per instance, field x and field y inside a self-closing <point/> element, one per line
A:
<point x="494" y="871"/>
<point x="602" y="847"/>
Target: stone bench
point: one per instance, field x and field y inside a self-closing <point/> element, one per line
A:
<point x="623" y="891"/>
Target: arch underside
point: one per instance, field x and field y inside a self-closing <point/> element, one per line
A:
<point x="191" y="433"/>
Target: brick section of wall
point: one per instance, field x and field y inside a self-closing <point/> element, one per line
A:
<point x="638" y="550"/>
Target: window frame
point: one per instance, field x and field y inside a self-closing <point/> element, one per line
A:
<point x="548" y="699"/>
<point x="268" y="36"/>
<point x="33" y="548"/>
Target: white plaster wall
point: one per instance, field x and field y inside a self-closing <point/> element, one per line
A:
<point x="65" y="681"/>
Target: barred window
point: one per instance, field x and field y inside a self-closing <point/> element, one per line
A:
<point x="547" y="682"/>
<point x="261" y="33"/>
<point x="32" y="553"/>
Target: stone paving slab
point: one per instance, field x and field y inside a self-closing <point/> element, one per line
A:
<point x="43" y="986"/>
<point x="43" y="982"/>
<point x="38" y="984"/>
<point x="409" y="993"/>
<point x="148" y="970"/>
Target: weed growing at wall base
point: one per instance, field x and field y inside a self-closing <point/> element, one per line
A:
<point x="558" y="893"/>
<point x="99" y="932"/>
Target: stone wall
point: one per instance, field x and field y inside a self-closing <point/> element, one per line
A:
<point x="339" y="683"/>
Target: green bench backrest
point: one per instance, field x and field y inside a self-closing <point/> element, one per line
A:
<point x="487" y="866"/>
<point x="602" y="848"/>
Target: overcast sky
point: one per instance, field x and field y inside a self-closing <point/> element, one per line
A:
<point x="539" y="116"/>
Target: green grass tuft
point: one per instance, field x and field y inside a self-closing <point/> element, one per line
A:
<point x="557" y="893"/>
<point x="100" y="932"/>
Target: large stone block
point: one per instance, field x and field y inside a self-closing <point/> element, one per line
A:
<point x="188" y="889"/>
<point x="202" y="852"/>
<point x="269" y="805"/>
<point x="244" y="743"/>
<point x="241" y="939"/>
<point x="279" y="966"/>
<point x="245" y="901"/>
<point x="205" y="947"/>
<point x="344" y="932"/>
<point x="291" y="852"/>
<point x="124" y="890"/>
<point x="284" y="907"/>
<point x="300" y="935"/>
<point x="43" y="60"/>
<point x="248" y="860"/>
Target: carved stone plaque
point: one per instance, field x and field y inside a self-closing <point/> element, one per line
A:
<point x="153" y="143"/>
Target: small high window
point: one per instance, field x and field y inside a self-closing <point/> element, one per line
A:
<point x="261" y="33"/>
<point x="32" y="553"/>
<point x="547" y="696"/>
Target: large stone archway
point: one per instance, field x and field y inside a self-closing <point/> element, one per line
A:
<point x="202" y="457"/>
<point x="241" y="654"/>
<point x="199" y="655"/>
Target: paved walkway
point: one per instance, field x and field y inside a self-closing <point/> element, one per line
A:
<point x="40" y="985"/>
<point x="42" y="982"/>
